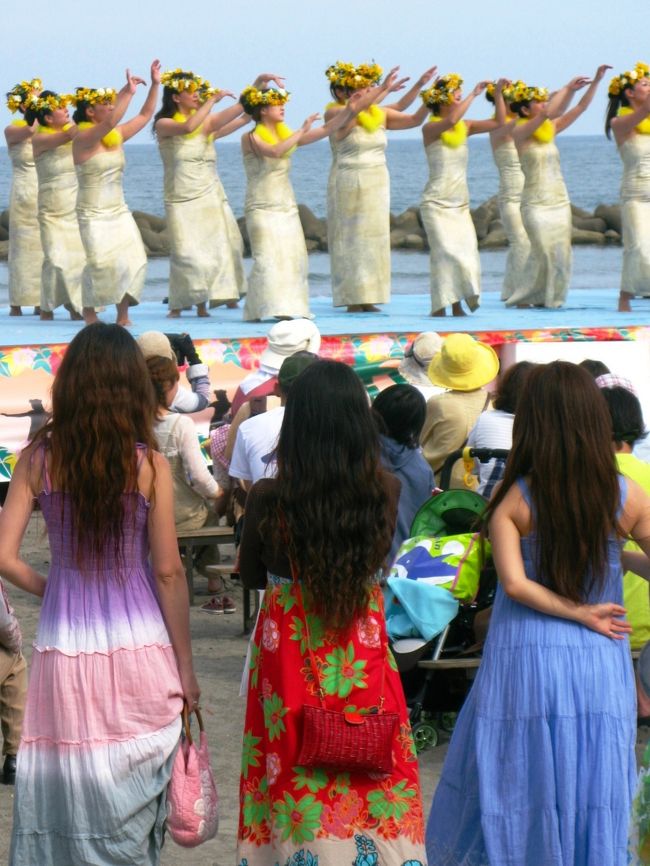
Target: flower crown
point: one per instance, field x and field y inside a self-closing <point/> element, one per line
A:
<point x="180" y="80"/>
<point x="442" y="90"/>
<point x="509" y="90"/>
<point x="251" y="97"/>
<point x="354" y="77"/>
<point x="518" y="91"/>
<point x="50" y="102"/>
<point x="20" y="93"/>
<point x="94" y="96"/>
<point x="628" y="79"/>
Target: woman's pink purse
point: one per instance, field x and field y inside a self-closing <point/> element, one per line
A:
<point x="192" y="799"/>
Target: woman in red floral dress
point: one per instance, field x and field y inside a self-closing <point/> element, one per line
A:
<point x="331" y="514"/>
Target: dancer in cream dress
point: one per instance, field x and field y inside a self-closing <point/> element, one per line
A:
<point x="25" y="253"/>
<point x="278" y="286"/>
<point x="116" y="259"/>
<point x="511" y="185"/>
<point x="359" y="188"/>
<point x="545" y="205"/>
<point x="628" y="118"/>
<point x="454" y="260"/>
<point x="64" y="256"/>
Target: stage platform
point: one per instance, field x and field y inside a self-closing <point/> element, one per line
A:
<point x="588" y="326"/>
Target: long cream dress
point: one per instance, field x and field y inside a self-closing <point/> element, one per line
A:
<point x="454" y="261"/>
<point x="635" y="213"/>
<point x="331" y="197"/>
<point x="546" y="214"/>
<point x="360" y="235"/>
<point x="206" y="246"/>
<point x="116" y="260"/>
<point x="277" y="285"/>
<point x="511" y="185"/>
<point x="25" y="252"/>
<point x="64" y="253"/>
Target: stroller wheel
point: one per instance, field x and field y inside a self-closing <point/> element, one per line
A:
<point x="448" y="721"/>
<point x="425" y="736"/>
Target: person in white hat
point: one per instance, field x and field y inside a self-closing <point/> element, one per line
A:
<point x="463" y="367"/>
<point x="155" y="343"/>
<point x="417" y="357"/>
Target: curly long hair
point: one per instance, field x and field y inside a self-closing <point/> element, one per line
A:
<point x="562" y="442"/>
<point x="103" y="405"/>
<point x="331" y="491"/>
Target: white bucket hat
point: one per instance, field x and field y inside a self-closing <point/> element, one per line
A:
<point x="287" y="338"/>
<point x="155" y="343"/>
<point x="417" y="357"/>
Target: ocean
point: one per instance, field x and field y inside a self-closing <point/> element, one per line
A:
<point x="590" y="164"/>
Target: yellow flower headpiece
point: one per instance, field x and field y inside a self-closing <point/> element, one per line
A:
<point x="94" y="96"/>
<point x="442" y="90"/>
<point x="628" y="79"/>
<point x="180" y="80"/>
<point x="50" y="102"/>
<point x="251" y="97"/>
<point x="518" y="91"/>
<point x="353" y="77"/>
<point x="21" y="93"/>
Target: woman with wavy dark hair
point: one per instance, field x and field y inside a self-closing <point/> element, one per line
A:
<point x="541" y="766"/>
<point x="329" y="516"/>
<point x="112" y="661"/>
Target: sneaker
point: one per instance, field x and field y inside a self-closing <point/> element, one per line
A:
<point x="228" y="605"/>
<point x="9" y="770"/>
<point x="215" y="605"/>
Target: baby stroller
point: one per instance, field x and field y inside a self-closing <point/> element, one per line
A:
<point x="437" y="674"/>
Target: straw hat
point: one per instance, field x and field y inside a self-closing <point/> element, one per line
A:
<point x="287" y="338"/>
<point x="417" y="357"/>
<point x="155" y="343"/>
<point x="463" y="364"/>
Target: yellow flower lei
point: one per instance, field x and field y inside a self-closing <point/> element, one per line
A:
<point x="643" y="128"/>
<point x="455" y="136"/>
<point x="282" y="132"/>
<point x="48" y="130"/>
<point x="179" y="117"/>
<point x="354" y="77"/>
<point x="545" y="132"/>
<point x="442" y="90"/>
<point x="627" y="79"/>
<point x="18" y="123"/>
<point x="372" y="119"/>
<point x="112" y="139"/>
<point x="20" y="93"/>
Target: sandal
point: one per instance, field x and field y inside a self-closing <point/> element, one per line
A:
<point x="215" y="605"/>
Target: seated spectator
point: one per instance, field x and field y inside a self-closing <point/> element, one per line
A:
<point x="254" y="452"/>
<point x="195" y="490"/>
<point x="13" y="687"/>
<point x="628" y="429"/>
<point x="180" y="349"/>
<point x="417" y="357"/>
<point x="464" y="367"/>
<point x="494" y="429"/>
<point x="399" y="413"/>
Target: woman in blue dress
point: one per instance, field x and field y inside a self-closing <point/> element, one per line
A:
<point x="541" y="767"/>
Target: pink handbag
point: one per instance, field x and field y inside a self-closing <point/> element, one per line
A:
<point x="192" y="799"/>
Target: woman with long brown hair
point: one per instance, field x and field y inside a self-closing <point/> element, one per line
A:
<point x="322" y="530"/>
<point x="541" y="766"/>
<point x="112" y="661"/>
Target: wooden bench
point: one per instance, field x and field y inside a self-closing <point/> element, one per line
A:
<point x="188" y="539"/>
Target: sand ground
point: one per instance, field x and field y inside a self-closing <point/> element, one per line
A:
<point x="219" y="650"/>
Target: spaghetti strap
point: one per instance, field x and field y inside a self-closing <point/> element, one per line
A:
<point x="525" y="492"/>
<point x="45" y="473"/>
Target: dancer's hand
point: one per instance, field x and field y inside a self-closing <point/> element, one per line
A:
<point x="132" y="82"/>
<point x="606" y="619"/>
<point x="427" y="76"/>
<point x="480" y="87"/>
<point x="600" y="72"/>
<point x="221" y="94"/>
<point x="579" y="82"/>
<point x="309" y="122"/>
<point x="264" y="78"/>
<point x="501" y="83"/>
<point x="156" y="71"/>
<point x="392" y="82"/>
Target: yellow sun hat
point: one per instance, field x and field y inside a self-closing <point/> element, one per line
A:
<point x="463" y="364"/>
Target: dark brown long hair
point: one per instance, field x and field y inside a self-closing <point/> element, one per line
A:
<point x="332" y="493"/>
<point x="562" y="443"/>
<point x="102" y="405"/>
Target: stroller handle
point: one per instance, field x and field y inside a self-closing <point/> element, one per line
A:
<point x="483" y="455"/>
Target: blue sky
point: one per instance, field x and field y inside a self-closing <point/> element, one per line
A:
<point x="70" y="43"/>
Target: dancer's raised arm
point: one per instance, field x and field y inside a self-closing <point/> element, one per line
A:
<point x="412" y="93"/>
<point x="142" y="118"/>
<point x="98" y="112"/>
<point x="570" y="116"/>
